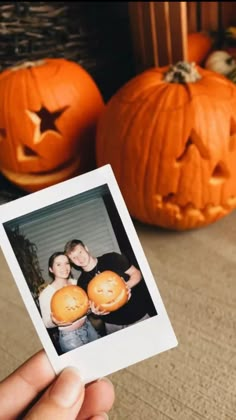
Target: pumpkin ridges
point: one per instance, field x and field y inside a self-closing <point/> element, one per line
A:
<point x="12" y="123"/>
<point x="32" y="93"/>
<point x="137" y="173"/>
<point x="129" y="175"/>
<point x="166" y="132"/>
<point x="161" y="183"/>
<point x="140" y="85"/>
<point x="139" y="170"/>
<point x="158" y="157"/>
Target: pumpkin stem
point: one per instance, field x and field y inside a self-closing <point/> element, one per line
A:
<point x="28" y="65"/>
<point x="182" y="72"/>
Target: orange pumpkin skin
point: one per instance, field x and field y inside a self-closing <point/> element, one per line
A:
<point x="172" y="148"/>
<point x="35" y="182"/>
<point x="48" y="115"/>
<point x="69" y="303"/>
<point x="107" y="291"/>
<point x="199" y="45"/>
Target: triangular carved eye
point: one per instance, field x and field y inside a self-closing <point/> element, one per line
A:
<point x="168" y="198"/>
<point x="232" y="143"/>
<point x="25" y="153"/>
<point x="187" y="146"/>
<point x="232" y="127"/>
<point x="232" y="138"/>
<point x="219" y="174"/>
<point x="3" y="133"/>
<point x="194" y="139"/>
<point x="28" y="151"/>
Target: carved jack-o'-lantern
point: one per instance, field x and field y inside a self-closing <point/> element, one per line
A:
<point x="69" y="303"/>
<point x="170" y="137"/>
<point x="48" y="115"/>
<point x="107" y="291"/>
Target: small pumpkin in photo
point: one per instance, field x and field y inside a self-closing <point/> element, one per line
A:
<point x="107" y="291"/>
<point x="169" y="135"/>
<point x="199" y="45"/>
<point x="48" y="115"/>
<point x="69" y="303"/>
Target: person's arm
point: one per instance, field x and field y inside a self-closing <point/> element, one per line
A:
<point x="135" y="276"/>
<point x="65" y="396"/>
<point x="44" y="303"/>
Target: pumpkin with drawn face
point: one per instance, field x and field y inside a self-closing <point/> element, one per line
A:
<point x="170" y="137"/>
<point x="107" y="291"/>
<point x="48" y="115"/>
<point x="69" y="303"/>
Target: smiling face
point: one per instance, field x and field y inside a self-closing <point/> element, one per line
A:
<point x="107" y="291"/>
<point x="60" y="267"/>
<point x="81" y="257"/>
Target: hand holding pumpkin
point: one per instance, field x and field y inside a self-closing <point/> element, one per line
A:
<point x="60" y="323"/>
<point x="66" y="323"/>
<point x="128" y="289"/>
<point x="96" y="310"/>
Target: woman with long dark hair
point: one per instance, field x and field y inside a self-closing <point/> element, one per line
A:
<point x="80" y="331"/>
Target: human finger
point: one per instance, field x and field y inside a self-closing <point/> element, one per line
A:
<point x="128" y="291"/>
<point x="99" y="398"/>
<point x="101" y="416"/>
<point x="62" y="400"/>
<point x="22" y="386"/>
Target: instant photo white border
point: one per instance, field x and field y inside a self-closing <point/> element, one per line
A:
<point x="115" y="351"/>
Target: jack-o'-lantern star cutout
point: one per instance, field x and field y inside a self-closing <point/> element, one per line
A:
<point x="44" y="121"/>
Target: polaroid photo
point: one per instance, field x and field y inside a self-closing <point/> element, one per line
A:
<point x="83" y="276"/>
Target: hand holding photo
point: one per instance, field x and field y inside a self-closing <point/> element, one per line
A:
<point x="83" y="276"/>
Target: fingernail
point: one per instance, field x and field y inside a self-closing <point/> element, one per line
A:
<point x="67" y="389"/>
<point x="103" y="416"/>
<point x="105" y="379"/>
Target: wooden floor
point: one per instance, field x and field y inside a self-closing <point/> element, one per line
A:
<point x="196" y="276"/>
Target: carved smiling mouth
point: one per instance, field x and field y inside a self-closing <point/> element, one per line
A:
<point x="189" y="215"/>
<point x="32" y="181"/>
<point x="211" y="211"/>
<point x="113" y="300"/>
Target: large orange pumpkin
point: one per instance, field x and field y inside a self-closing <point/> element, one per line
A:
<point x="69" y="303"/>
<point x="107" y="291"/>
<point x="48" y="115"/>
<point x="170" y="137"/>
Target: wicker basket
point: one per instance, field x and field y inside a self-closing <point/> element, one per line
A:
<point x="96" y="35"/>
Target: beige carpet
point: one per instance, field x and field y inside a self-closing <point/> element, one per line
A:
<point x="195" y="273"/>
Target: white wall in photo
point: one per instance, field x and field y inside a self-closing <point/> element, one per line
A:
<point x="88" y="221"/>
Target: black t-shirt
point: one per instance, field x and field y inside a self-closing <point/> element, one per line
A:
<point x="140" y="302"/>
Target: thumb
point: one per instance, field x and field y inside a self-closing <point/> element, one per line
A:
<point x="62" y="400"/>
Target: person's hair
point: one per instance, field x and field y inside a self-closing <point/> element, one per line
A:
<point x="52" y="259"/>
<point x="70" y="245"/>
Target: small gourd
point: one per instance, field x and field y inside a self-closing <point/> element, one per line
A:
<point x="221" y="62"/>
